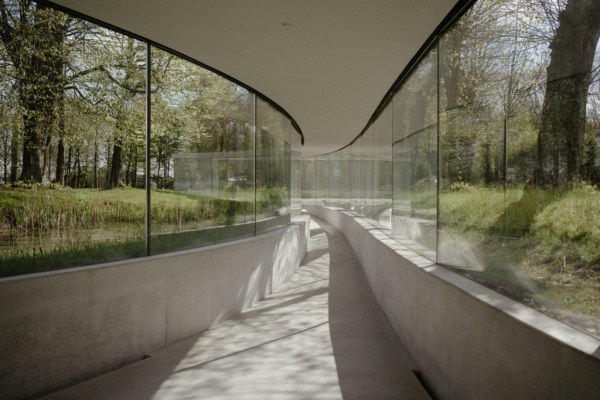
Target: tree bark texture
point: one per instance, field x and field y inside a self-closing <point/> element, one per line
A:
<point x="34" y="41"/>
<point x="561" y="137"/>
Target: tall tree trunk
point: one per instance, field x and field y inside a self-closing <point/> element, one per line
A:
<point x="46" y="151"/>
<point x="60" y="162"/>
<point x="60" y="150"/>
<point x="108" y="167"/>
<point x="128" y="169"/>
<point x="41" y="87"/>
<point x="14" y="156"/>
<point x="135" y="165"/>
<point x="95" y="183"/>
<point x="5" y="159"/>
<point x="69" y="175"/>
<point x="31" y="152"/>
<point x="78" y="164"/>
<point x="560" y="140"/>
<point x="116" y="165"/>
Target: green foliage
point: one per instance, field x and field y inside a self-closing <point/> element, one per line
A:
<point x="44" y="209"/>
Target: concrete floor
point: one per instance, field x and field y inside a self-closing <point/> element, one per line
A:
<point x="320" y="336"/>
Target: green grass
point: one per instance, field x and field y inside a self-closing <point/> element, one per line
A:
<point x="29" y="210"/>
<point x="538" y="243"/>
<point x="92" y="226"/>
<point x="24" y="211"/>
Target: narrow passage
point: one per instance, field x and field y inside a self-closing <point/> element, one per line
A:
<point x="320" y="336"/>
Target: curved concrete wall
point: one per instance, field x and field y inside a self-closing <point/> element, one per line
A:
<point x="59" y="328"/>
<point x="469" y="342"/>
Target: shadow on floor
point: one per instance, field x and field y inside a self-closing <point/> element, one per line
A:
<point x="370" y="359"/>
<point x="308" y="340"/>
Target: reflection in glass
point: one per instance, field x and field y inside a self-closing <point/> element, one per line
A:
<point x="513" y="199"/>
<point x="308" y="184"/>
<point x="323" y="179"/>
<point x="273" y="153"/>
<point x="73" y="147"/>
<point x="382" y="168"/>
<point x="414" y="211"/>
<point x="71" y="142"/>
<point x="357" y="195"/>
<point x="519" y="170"/>
<point x="202" y="150"/>
<point x="366" y="170"/>
<point x="345" y="157"/>
<point x="296" y="172"/>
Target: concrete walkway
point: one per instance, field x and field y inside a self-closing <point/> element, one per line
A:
<point x="320" y="336"/>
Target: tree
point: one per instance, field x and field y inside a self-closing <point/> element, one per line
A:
<point x="569" y="74"/>
<point x="33" y="36"/>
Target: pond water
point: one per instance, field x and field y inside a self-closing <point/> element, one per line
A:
<point x="51" y="239"/>
<point x="47" y="240"/>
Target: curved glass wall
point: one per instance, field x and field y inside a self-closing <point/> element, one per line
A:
<point x="76" y="157"/>
<point x="202" y="149"/>
<point x="494" y="166"/>
<point x="414" y="146"/>
<point x="382" y="169"/>
<point x="273" y="155"/>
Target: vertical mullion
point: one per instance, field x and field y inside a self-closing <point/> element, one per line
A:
<point x="148" y="135"/>
<point x="439" y="155"/>
<point x="255" y="155"/>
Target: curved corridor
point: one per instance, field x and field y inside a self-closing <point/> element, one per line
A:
<point x="320" y="336"/>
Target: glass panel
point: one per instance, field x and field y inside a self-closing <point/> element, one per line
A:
<point x="346" y="178"/>
<point x="202" y="150"/>
<point x="296" y="171"/>
<point x="414" y="211"/>
<point x="357" y="196"/>
<point x="518" y="154"/>
<point x="309" y="181"/>
<point x="272" y="167"/>
<point x="69" y="128"/>
<point x="322" y="180"/>
<point x="366" y="170"/>
<point x="334" y="179"/>
<point x="382" y="168"/>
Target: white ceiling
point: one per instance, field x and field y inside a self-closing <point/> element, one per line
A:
<point x="329" y="69"/>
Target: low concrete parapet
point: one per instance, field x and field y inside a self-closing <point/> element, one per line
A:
<point x="469" y="341"/>
<point x="62" y="327"/>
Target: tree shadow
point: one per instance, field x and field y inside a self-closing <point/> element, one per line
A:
<point x="507" y="242"/>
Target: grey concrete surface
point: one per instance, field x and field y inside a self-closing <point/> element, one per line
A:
<point x="63" y="327"/>
<point x="468" y="341"/>
<point x="321" y="335"/>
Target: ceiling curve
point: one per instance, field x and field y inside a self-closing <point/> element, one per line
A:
<point x="328" y="63"/>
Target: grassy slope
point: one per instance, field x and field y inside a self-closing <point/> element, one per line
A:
<point x="550" y="236"/>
